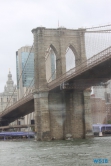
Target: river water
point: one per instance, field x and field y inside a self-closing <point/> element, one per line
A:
<point x="55" y="153"/>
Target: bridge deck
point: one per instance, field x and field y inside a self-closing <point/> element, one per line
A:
<point x="23" y="106"/>
<point x="89" y="64"/>
<point x="96" y="67"/>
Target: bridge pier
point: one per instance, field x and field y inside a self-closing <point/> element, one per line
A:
<point x="87" y="113"/>
<point x="58" y="114"/>
<point x="74" y="114"/>
<point x="42" y="120"/>
<point x="77" y="116"/>
<point x="78" y="121"/>
<point x="68" y="113"/>
<point x="56" y="108"/>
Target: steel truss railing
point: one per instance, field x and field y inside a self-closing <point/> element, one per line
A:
<point x="86" y="65"/>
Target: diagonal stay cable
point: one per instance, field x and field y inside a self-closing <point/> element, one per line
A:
<point x="30" y="85"/>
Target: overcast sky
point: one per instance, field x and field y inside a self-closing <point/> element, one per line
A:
<point x="19" y="17"/>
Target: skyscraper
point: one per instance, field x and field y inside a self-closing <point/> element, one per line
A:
<point x="25" y="76"/>
<point x="24" y="69"/>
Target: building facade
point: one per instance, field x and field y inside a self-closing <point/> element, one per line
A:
<point x="6" y="98"/>
<point x="98" y="109"/>
<point x="101" y="103"/>
<point x="101" y="111"/>
<point x="25" y="77"/>
<point x="24" y="69"/>
<point x="103" y="91"/>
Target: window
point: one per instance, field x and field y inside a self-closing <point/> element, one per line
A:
<point x="19" y="123"/>
<point x="32" y="122"/>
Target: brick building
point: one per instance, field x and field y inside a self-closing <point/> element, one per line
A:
<point x="101" y="110"/>
<point x="98" y="109"/>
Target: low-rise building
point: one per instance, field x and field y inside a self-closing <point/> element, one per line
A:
<point x="98" y="109"/>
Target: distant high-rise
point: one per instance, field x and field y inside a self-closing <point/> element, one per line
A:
<point x="25" y="76"/>
<point x="24" y="69"/>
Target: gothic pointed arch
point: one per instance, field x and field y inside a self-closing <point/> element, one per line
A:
<point x="70" y="59"/>
<point x="73" y="50"/>
<point x="51" y="63"/>
<point x="76" y="54"/>
<point x="54" y="49"/>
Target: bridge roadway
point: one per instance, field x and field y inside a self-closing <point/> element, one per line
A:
<point x="95" y="70"/>
<point x="19" y="109"/>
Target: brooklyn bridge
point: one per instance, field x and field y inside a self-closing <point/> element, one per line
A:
<point x="62" y="104"/>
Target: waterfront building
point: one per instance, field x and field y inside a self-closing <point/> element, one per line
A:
<point x="5" y="96"/>
<point x="101" y="103"/>
<point x="9" y="95"/>
<point x="25" y="77"/>
<point x="98" y="109"/>
<point x="101" y="110"/>
<point x="108" y="113"/>
<point x="103" y="91"/>
<point x="24" y="69"/>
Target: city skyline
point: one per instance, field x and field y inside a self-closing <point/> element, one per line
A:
<point x="18" y="18"/>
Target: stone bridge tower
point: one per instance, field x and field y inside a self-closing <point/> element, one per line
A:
<point x="58" y="113"/>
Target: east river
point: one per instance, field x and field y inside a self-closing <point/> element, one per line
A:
<point x="55" y="153"/>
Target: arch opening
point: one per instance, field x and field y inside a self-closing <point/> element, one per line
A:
<point x="70" y="59"/>
<point x="50" y="62"/>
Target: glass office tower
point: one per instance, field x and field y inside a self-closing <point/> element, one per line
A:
<point x="28" y="72"/>
<point x="24" y="69"/>
<point x="25" y="77"/>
